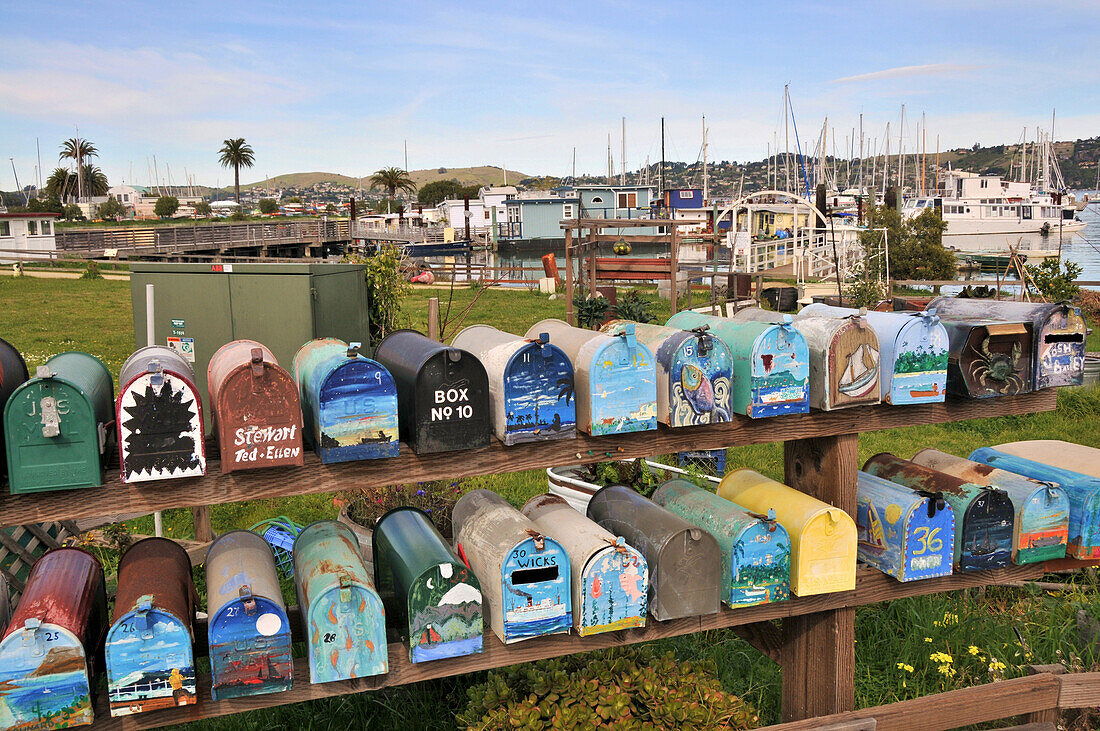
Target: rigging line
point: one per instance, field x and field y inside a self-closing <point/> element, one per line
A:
<point x="798" y="145"/>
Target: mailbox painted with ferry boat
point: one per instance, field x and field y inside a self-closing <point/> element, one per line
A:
<point x="13" y="373"/>
<point x="907" y="534"/>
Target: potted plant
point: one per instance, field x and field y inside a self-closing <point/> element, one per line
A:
<point x="577" y="483"/>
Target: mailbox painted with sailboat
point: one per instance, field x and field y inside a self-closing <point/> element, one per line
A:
<point x="823" y="538"/>
<point x="342" y="615"/>
<point x="159" y="416"/>
<point x="684" y="560"/>
<point x="349" y="402"/>
<point x="530" y="384"/>
<point x="248" y="631"/>
<point x="50" y="646"/>
<point x="13" y="373"/>
<point x="986" y="357"/>
<point x="525" y="575"/>
<point x="610" y="579"/>
<point x="149" y="655"/>
<point x="257" y="414"/>
<point x="442" y="393"/>
<point x="907" y="534"/>
<point x="983" y="515"/>
<point x="1041" y="526"/>
<point x="435" y="598"/>
<point x="756" y="549"/>
<point x="694" y="373"/>
<point x="615" y="377"/>
<point x="771" y="363"/>
<point x="913" y="355"/>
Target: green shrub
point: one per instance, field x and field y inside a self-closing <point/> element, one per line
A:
<point x="590" y="311"/>
<point x="166" y="206"/>
<point x="386" y="286"/>
<point x="92" y="272"/>
<point x="633" y="305"/>
<point x="268" y="206"/>
<point x="1054" y="279"/>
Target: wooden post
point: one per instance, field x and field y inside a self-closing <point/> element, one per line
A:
<point x="569" y="275"/>
<point x="200" y="515"/>
<point x="591" y="247"/>
<point x="759" y="289"/>
<point x="673" y="270"/>
<point x="1049" y="715"/>
<point x="433" y="318"/>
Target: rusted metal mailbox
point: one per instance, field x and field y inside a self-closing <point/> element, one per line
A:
<point x="694" y="373"/>
<point x="50" y="646"/>
<point x="615" y="377"/>
<point x="1027" y="459"/>
<point x="256" y="411"/>
<point x="756" y="550"/>
<point x="610" y="579"/>
<point x="1057" y="329"/>
<point x="248" y="631"/>
<point x="159" y="417"/>
<point x="771" y="363"/>
<point x="149" y="655"/>
<point x="57" y="425"/>
<point x="823" y="538"/>
<point x="349" y="402"/>
<point x="13" y="373"/>
<point x="525" y="576"/>
<point x="442" y="393"/>
<point x="986" y="357"/>
<point x="530" y="384"/>
<point x="684" y="561"/>
<point x="913" y="355"/>
<point x="1041" y="509"/>
<point x="983" y="514"/>
<point x="342" y="615"/>
<point x="907" y="534"/>
<point x="436" y="597"/>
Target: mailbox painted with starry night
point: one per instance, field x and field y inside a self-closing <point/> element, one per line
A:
<point x="901" y="532"/>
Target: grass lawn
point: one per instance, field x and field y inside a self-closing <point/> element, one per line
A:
<point x="978" y="629"/>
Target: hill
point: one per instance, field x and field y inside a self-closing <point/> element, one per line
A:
<point x="483" y="175"/>
<point x="300" y="180"/>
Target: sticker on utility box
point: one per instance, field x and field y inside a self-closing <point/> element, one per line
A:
<point x="178" y="323"/>
<point x="183" y="346"/>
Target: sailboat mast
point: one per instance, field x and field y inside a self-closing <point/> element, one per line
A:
<point x="786" y="143"/>
<point x="661" y="191"/>
<point x="622" y="156"/>
<point x="901" y="152"/>
<point x="886" y="163"/>
<point x="706" y="181"/>
<point x="861" y="154"/>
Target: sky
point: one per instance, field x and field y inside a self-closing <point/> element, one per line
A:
<point x="341" y="86"/>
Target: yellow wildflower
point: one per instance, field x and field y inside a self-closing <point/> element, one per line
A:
<point x="905" y="666"/>
<point x="973" y="650"/>
<point x="996" y="666"/>
<point x="927" y="639"/>
<point x="941" y="657"/>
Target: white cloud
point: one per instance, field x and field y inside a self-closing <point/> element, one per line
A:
<point x="929" y="69"/>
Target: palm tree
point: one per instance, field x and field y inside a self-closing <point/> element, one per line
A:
<point x="64" y="183"/>
<point x="95" y="181"/>
<point x="236" y="153"/>
<point x="61" y="183"/>
<point x="78" y="150"/>
<point x="393" y="180"/>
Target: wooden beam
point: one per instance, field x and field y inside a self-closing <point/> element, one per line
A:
<point x="1080" y="690"/>
<point x="673" y="259"/>
<point x="765" y="637"/>
<point x="569" y="275"/>
<point x="598" y="223"/>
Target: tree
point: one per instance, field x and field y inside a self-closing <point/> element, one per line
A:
<point x="166" y="206"/>
<point x="330" y="208"/>
<point x="203" y="208"/>
<point x="293" y="199"/>
<point x="64" y="183"/>
<point x="1053" y="282"/>
<point x="72" y="212"/>
<point x="392" y="180"/>
<point x="95" y="181"/>
<point x="268" y="206"/>
<point x="79" y="150"/>
<point x="921" y="254"/>
<point x="61" y="184"/>
<point x="236" y="153"/>
<point x="110" y="208"/>
<point x="436" y="192"/>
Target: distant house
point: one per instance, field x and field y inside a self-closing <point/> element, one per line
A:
<point x="615" y="201"/>
<point x="537" y="215"/>
<point x="678" y="198"/>
<point x="487" y="208"/>
<point x="128" y="195"/>
<point x="26" y="235"/>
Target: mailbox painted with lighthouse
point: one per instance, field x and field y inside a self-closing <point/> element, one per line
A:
<point x="904" y="533"/>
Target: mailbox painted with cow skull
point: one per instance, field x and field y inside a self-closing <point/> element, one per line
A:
<point x="907" y="534"/>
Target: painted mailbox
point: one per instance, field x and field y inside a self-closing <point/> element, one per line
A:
<point x="256" y="411"/>
<point x="756" y="550"/>
<point x="823" y="538"/>
<point x="983" y="515"/>
<point x="159" y="417"/>
<point x="771" y="363"/>
<point x="51" y="643"/>
<point x="907" y="534"/>
<point x="349" y="402"/>
<point x="1041" y="509"/>
<point x="342" y="615"/>
<point x="5" y="604"/>
<point x="615" y="377"/>
<point x="684" y="561"/>
<point x="913" y="355"/>
<point x="530" y="384"/>
<point x="57" y="424"/>
<point x="525" y="575"/>
<point x="1069" y="456"/>
<point x="248" y="631"/>
<point x="149" y="656"/>
<point x="442" y="393"/>
<point x="436" y="598"/>
<point x="987" y="358"/>
<point x="13" y="373"/>
<point x="610" y="580"/>
<point x="694" y="370"/>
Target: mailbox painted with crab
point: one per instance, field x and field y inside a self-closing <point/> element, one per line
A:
<point x="525" y="575"/>
<point x="148" y="652"/>
<point x="984" y="517"/>
<point x="432" y="596"/>
<point x="610" y="579"/>
<point x="987" y="358"/>
<point x="159" y="416"/>
<point x="694" y="373"/>
<point x="349" y="402"/>
<point x="58" y="424"/>
<point x="904" y="533"/>
<point x="50" y="646"/>
<point x="13" y="373"/>
<point x="615" y="377"/>
<point x="771" y="363"/>
<point x="1031" y="459"/>
<point x="248" y="631"/>
<point x="756" y="550"/>
<point x="1041" y="527"/>
<point x="257" y="414"/>
<point x="342" y="615"/>
<point x="530" y="384"/>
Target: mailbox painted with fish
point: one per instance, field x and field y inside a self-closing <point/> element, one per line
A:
<point x="756" y="550"/>
<point x="342" y="615"/>
<point x="907" y="534"/>
<point x="610" y="580"/>
<point x="349" y="402"/>
<point x="615" y="377"/>
<point x="525" y="575"/>
<point x="987" y="358"/>
<point x="13" y="373"/>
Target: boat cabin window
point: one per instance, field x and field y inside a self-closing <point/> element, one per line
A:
<point x="597" y="199"/>
<point x="568" y="210"/>
<point x="628" y="200"/>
